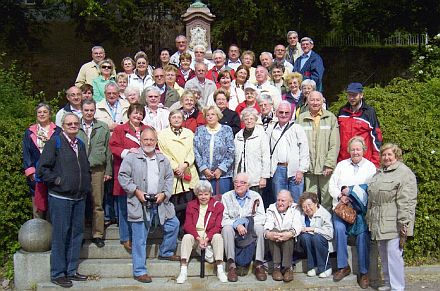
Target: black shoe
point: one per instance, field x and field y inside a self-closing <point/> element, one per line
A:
<point x="62" y="281"/>
<point x="78" y="277"/>
<point x="99" y="242"/>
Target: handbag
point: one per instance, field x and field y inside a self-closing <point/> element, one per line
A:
<point x="345" y="212"/>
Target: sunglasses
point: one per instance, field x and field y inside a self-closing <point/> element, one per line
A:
<point x="106" y="67"/>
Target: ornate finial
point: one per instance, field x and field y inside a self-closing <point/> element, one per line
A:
<point x="198" y="4"/>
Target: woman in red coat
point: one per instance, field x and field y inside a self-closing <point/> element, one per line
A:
<point x="192" y="117"/>
<point x="203" y="226"/>
<point x="185" y="73"/>
<point x="124" y="140"/>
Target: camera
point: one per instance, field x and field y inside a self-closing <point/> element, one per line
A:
<point x="150" y="200"/>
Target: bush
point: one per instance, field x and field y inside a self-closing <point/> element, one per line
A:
<point x="17" y="108"/>
<point x="408" y="112"/>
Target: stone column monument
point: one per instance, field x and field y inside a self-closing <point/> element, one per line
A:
<point x="198" y="19"/>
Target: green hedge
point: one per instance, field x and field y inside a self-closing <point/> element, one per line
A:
<point x="17" y="113"/>
<point x="408" y="113"/>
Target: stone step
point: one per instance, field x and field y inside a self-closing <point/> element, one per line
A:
<point x="112" y="233"/>
<point x="122" y="268"/>
<point x="301" y="282"/>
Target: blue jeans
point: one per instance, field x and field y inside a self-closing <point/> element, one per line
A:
<point x="362" y="245"/>
<point x="124" y="225"/>
<point x="280" y="181"/>
<point x="316" y="247"/>
<point x="110" y="205"/>
<point x="67" y="218"/>
<point x="139" y="244"/>
<point x="225" y="185"/>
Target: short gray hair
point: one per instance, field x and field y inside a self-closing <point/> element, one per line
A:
<point x="266" y="53"/>
<point x="45" y="105"/>
<point x="219" y="52"/>
<point x="202" y="186"/>
<point x="200" y="47"/>
<point x="292" y="32"/>
<point x="97" y="47"/>
<point x="249" y="112"/>
<point x="306" y="38"/>
<point x="265" y="97"/>
<point x="68" y="114"/>
<point x="111" y="84"/>
<point x="309" y="82"/>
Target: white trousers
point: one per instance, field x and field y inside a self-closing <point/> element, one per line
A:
<point x="393" y="267"/>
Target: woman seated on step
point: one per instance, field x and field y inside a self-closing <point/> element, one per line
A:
<point x="203" y="229"/>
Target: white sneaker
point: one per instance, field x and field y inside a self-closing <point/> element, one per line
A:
<point x="384" y="288"/>
<point x="221" y="275"/>
<point x="311" y="272"/>
<point x="326" y="273"/>
<point x="182" y="277"/>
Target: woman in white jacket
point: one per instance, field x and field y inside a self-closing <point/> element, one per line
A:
<point x="252" y="153"/>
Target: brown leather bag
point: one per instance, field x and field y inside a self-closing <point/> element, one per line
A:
<point x="345" y="212"/>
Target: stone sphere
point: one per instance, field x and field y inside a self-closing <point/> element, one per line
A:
<point x="35" y="235"/>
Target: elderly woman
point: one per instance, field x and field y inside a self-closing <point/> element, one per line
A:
<point x="316" y="232"/>
<point x="323" y="137"/>
<point x="203" y="225"/>
<point x="241" y="77"/>
<point x="171" y="77"/>
<point x="155" y="116"/>
<point x="106" y="68"/>
<point x="293" y="83"/>
<point x="214" y="151"/>
<point x="141" y="77"/>
<point x="177" y="144"/>
<point x="350" y="178"/>
<point x="392" y="198"/>
<point x="236" y="95"/>
<point x="192" y="117"/>
<point x="122" y="81"/>
<point x="251" y="95"/>
<point x="248" y="59"/>
<point x="124" y="140"/>
<point x="277" y="72"/>
<point x="35" y="137"/>
<point x="185" y="73"/>
<point x="199" y="57"/>
<point x="164" y="57"/>
<point x="230" y="117"/>
<point x="252" y="153"/>
<point x="266" y="106"/>
<point x="132" y="94"/>
<point x="128" y="65"/>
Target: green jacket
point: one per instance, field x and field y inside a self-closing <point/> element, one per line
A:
<point x="97" y="148"/>
<point x="323" y="140"/>
<point x="392" y="199"/>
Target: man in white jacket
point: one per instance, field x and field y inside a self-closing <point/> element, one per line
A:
<point x="281" y="226"/>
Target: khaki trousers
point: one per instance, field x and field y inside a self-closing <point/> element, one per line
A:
<point x="228" y="234"/>
<point x="319" y="184"/>
<point x="282" y="252"/>
<point x="97" y="199"/>
<point x="189" y="242"/>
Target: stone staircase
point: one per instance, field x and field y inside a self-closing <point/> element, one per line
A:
<point x="110" y="268"/>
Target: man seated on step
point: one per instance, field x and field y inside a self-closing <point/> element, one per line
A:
<point x="241" y="204"/>
<point x="280" y="229"/>
<point x="147" y="178"/>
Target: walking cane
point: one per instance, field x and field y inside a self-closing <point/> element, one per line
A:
<point x="202" y="263"/>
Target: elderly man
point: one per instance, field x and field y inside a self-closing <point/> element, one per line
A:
<point x="182" y="47"/>
<point x="64" y="168"/>
<point x="199" y="57"/>
<point x="322" y="130"/>
<point x="358" y="118"/>
<point x="240" y="204"/>
<point x="310" y="64"/>
<point x="289" y="151"/>
<point x="113" y="110"/>
<point x="147" y="178"/>
<point x="279" y="52"/>
<point x="74" y="98"/>
<point x="264" y="86"/>
<point x="293" y="50"/>
<point x="168" y="95"/>
<point x="219" y="58"/>
<point x="201" y="83"/>
<point x="96" y="135"/>
<point x="90" y="70"/>
<point x="282" y="225"/>
<point x="266" y="60"/>
<point x="233" y="57"/>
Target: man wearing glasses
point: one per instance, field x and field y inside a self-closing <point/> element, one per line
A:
<point x="168" y="95"/>
<point x="182" y="47"/>
<point x="240" y="204"/>
<point x="289" y="152"/>
<point x="64" y="168"/>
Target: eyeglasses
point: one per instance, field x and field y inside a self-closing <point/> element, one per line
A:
<point x="70" y="124"/>
<point x="284" y="112"/>
<point x="159" y="76"/>
<point x="240" y="182"/>
<point x="106" y="67"/>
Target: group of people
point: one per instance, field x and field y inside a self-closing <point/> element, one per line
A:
<point x="233" y="159"/>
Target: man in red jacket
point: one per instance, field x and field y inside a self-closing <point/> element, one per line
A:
<point x="358" y="118"/>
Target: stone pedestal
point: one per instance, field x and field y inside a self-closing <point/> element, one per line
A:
<point x="198" y="19"/>
<point x="30" y="269"/>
